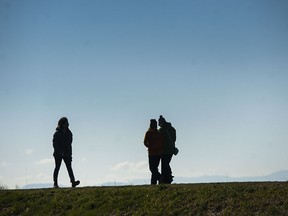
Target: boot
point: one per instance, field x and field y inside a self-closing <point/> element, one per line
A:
<point x="75" y="183"/>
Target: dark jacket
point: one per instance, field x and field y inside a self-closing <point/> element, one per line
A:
<point x="62" y="143"/>
<point x="154" y="142"/>
<point x="169" y="135"/>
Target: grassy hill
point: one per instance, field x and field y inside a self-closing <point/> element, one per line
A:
<point x="266" y="198"/>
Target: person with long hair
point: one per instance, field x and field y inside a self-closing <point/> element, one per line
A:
<point x="62" y="143"/>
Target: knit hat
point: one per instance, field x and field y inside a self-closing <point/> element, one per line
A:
<point x="161" y="120"/>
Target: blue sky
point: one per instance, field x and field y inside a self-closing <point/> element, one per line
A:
<point x="217" y="70"/>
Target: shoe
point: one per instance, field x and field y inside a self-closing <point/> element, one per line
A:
<point x="170" y="180"/>
<point x="75" y="183"/>
<point x="55" y="185"/>
<point x="166" y="180"/>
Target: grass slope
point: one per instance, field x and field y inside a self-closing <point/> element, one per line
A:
<point x="267" y="198"/>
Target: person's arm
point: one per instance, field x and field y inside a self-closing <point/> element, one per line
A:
<point x="146" y="139"/>
<point x="57" y="143"/>
<point x="70" y="137"/>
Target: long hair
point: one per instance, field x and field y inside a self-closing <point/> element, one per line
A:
<point x="63" y="121"/>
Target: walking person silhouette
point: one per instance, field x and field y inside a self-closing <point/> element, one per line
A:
<point x="153" y="141"/>
<point x="62" y="143"/>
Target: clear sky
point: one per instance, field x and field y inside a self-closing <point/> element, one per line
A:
<point x="217" y="70"/>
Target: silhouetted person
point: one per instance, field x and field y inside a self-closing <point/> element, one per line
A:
<point x="62" y="143"/>
<point x="169" y="139"/>
<point x="153" y="141"/>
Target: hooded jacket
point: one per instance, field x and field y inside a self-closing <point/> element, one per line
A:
<point x="62" y="143"/>
<point x="169" y="138"/>
<point x="154" y="142"/>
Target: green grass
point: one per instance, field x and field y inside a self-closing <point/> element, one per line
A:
<point x="267" y="198"/>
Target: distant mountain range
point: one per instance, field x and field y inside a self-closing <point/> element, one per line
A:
<point x="38" y="186"/>
<point x="276" y="176"/>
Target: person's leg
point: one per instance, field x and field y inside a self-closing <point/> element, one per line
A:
<point x="68" y="162"/>
<point x="58" y="161"/>
<point x="166" y="169"/>
<point x="169" y="171"/>
<point x="153" y="166"/>
<point x="158" y="175"/>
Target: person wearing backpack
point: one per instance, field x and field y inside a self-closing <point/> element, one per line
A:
<point x="153" y="141"/>
<point x="169" y="138"/>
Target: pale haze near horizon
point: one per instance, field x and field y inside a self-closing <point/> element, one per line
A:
<point x="217" y="70"/>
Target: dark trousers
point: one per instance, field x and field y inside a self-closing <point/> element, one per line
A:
<point x="166" y="171"/>
<point x="153" y="166"/>
<point x="67" y="161"/>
